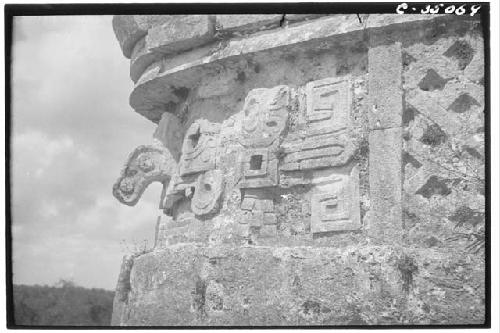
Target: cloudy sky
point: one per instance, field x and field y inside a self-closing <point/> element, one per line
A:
<point x="72" y="129"/>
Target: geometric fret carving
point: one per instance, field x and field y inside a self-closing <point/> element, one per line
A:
<point x="335" y="206"/>
<point x="328" y="103"/>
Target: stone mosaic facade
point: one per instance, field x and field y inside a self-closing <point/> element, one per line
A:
<point x="316" y="170"/>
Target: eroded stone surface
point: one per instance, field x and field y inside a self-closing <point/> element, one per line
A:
<point x="180" y="33"/>
<point x="385" y="184"/>
<point x="189" y="68"/>
<point x="192" y="285"/>
<point x="324" y="167"/>
<point x="129" y="29"/>
<point x="208" y="192"/>
<point x="169" y="134"/>
<point x="445" y="141"/>
<point x="386" y="94"/>
<point x="335" y="204"/>
<point x="247" y="23"/>
<point x="329" y="103"/>
<point x="199" y="148"/>
<point x="145" y="165"/>
<point x="265" y="116"/>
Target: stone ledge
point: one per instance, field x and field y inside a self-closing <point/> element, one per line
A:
<point x="247" y="23"/>
<point x="216" y="286"/>
<point x="181" y="33"/>
<point x="129" y="29"/>
<point x="147" y="100"/>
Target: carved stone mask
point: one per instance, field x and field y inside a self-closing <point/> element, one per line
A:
<point x="265" y="116"/>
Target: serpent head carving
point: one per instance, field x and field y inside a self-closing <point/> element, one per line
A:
<point x="146" y="164"/>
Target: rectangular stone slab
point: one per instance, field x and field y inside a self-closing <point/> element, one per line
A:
<point x="192" y="285"/>
<point x="385" y="158"/>
<point x="385" y="86"/>
<point x="181" y="33"/>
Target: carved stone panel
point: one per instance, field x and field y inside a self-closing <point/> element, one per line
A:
<point x="260" y="168"/>
<point x="260" y="216"/>
<point x="199" y="148"/>
<point x="145" y="165"/>
<point x="327" y="150"/>
<point x="265" y="116"/>
<point x="335" y="206"/>
<point x="208" y="192"/>
<point x="328" y="103"/>
<point x="324" y="142"/>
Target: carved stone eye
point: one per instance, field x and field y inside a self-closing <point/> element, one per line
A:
<point x="146" y="164"/>
<point x="127" y="186"/>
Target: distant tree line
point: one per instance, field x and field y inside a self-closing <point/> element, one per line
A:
<point x="62" y="304"/>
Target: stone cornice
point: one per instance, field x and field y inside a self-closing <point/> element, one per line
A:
<point x="163" y="79"/>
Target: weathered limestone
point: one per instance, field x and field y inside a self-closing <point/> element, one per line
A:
<point x="129" y="29"/>
<point x="169" y="134"/>
<point x="329" y="103"/>
<point x="386" y="93"/>
<point x="180" y="33"/>
<point x="264" y="286"/>
<point x="247" y="23"/>
<point x="188" y="73"/>
<point x="266" y="114"/>
<point x="122" y="291"/>
<point x="385" y="185"/>
<point x="315" y="170"/>
<point x="335" y="205"/>
<point x="444" y="144"/>
<point x="199" y="148"/>
<point x="385" y="141"/>
<point x="145" y="165"/>
<point x="208" y="192"/>
<point x="141" y="58"/>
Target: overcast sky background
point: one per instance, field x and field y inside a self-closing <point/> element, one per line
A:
<point x="72" y="130"/>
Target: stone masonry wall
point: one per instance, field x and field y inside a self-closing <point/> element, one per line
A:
<point x="315" y="170"/>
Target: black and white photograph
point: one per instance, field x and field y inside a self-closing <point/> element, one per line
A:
<point x="237" y="165"/>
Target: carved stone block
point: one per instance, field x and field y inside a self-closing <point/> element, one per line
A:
<point x="169" y="134"/>
<point x="181" y="32"/>
<point x="260" y="168"/>
<point x="199" y="148"/>
<point x="208" y="192"/>
<point x="327" y="150"/>
<point x="265" y="116"/>
<point x="145" y="165"/>
<point x="328" y="103"/>
<point x="260" y="207"/>
<point x="335" y="206"/>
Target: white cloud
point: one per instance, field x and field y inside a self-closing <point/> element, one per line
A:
<point x="72" y="130"/>
<point x="40" y="151"/>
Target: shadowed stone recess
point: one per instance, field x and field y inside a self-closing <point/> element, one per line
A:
<point x="462" y="52"/>
<point x="463" y="103"/>
<point x="432" y="81"/>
